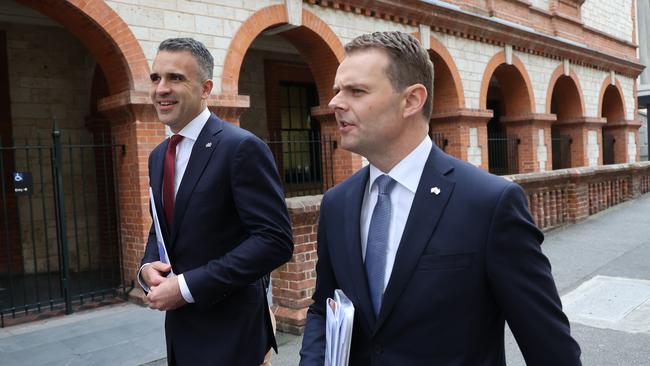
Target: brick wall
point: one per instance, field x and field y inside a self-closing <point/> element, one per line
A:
<point x="50" y="81"/>
<point x="555" y="198"/>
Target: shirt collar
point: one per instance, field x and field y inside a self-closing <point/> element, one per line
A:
<point x="193" y="129"/>
<point x="409" y="170"/>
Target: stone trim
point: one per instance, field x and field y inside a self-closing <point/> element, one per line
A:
<point x="476" y="25"/>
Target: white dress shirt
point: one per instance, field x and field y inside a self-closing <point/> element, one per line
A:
<point x="407" y="174"/>
<point x="190" y="134"/>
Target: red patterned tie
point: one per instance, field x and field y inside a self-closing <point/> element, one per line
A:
<point x="168" y="178"/>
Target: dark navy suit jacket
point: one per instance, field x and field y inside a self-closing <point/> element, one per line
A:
<point x="468" y="261"/>
<point x="230" y="228"/>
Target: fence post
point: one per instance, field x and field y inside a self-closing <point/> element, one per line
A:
<point x="61" y="228"/>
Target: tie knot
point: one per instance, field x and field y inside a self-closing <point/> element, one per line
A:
<point x="385" y="183"/>
<point x="174" y="140"/>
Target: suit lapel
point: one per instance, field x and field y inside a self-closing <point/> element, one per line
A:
<point x="203" y="148"/>
<point x="157" y="166"/>
<point x="353" y="202"/>
<point x="423" y="218"/>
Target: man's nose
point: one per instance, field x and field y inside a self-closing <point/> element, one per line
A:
<point x="162" y="87"/>
<point x="336" y="102"/>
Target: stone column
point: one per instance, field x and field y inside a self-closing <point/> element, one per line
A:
<point x="465" y="131"/>
<point x="534" y="133"/>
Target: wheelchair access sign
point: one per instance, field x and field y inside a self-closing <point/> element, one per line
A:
<point x="23" y="185"/>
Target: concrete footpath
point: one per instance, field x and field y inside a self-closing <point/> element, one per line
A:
<point x="601" y="267"/>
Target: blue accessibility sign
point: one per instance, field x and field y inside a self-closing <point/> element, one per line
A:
<point x="23" y="185"/>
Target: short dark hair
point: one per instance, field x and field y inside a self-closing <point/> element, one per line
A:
<point x="408" y="61"/>
<point x="196" y="48"/>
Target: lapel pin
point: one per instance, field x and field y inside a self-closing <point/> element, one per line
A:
<point x="435" y="190"/>
<point x="208" y="145"/>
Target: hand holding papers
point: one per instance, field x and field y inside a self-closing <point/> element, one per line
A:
<point x="162" y="250"/>
<point x="338" y="329"/>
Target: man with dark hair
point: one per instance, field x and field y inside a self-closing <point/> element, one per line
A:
<point x="434" y="253"/>
<point x="223" y="220"/>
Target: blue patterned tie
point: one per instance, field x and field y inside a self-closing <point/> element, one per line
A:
<point x="377" y="245"/>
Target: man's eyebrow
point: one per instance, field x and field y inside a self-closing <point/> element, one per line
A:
<point x="351" y="86"/>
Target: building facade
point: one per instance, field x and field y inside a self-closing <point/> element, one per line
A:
<point x="520" y="86"/>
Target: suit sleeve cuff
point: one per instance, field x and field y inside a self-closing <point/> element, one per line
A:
<point x="185" y="291"/>
<point x="141" y="280"/>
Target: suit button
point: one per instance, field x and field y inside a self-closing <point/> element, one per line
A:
<point x="378" y="349"/>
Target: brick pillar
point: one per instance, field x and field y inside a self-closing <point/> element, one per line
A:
<point x="466" y="133"/>
<point x="578" y="130"/>
<point x="294" y="282"/>
<point x="620" y="131"/>
<point x="133" y="123"/>
<point x="533" y="155"/>
<point x="229" y="107"/>
<point x="344" y="162"/>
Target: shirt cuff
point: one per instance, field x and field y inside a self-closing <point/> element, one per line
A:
<point x="141" y="280"/>
<point x="185" y="291"/>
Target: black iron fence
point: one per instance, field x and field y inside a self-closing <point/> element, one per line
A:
<point x="440" y="140"/>
<point x="608" y="148"/>
<point x="59" y="224"/>
<point x="304" y="160"/>
<point x="503" y="156"/>
<point x="561" y="151"/>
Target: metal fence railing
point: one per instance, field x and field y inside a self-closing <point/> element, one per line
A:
<point x="608" y="149"/>
<point x="304" y="162"/>
<point x="60" y="242"/>
<point x="503" y="156"/>
<point x="440" y="140"/>
<point x="561" y="151"/>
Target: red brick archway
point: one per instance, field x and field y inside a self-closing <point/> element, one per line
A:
<point x="568" y="133"/>
<point x="107" y="37"/>
<point x="611" y="104"/>
<point x="316" y="42"/>
<point x="519" y="91"/>
<point x="567" y="90"/>
<point x="448" y="91"/>
<point x="611" y="107"/>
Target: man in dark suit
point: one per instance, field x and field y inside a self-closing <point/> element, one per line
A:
<point x="223" y="217"/>
<point x="434" y="253"/>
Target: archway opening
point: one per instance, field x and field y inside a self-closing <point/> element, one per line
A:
<point x="60" y="241"/>
<point x="613" y="111"/>
<point x="281" y="74"/>
<point x="445" y="97"/>
<point x="566" y="105"/>
<point x="507" y="96"/>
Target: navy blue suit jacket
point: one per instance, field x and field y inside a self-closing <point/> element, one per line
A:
<point x="230" y="228"/>
<point x="468" y="261"/>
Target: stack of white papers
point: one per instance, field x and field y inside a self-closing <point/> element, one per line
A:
<point x="338" y="329"/>
<point x="162" y="250"/>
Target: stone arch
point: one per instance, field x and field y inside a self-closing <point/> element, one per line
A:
<point x="521" y="96"/>
<point x="107" y="37"/>
<point x="611" y="103"/>
<point x="448" y="88"/>
<point x="314" y="39"/>
<point x="573" y="102"/>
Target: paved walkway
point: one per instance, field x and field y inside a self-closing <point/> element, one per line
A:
<point x="601" y="267"/>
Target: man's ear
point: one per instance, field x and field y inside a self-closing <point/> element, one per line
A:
<point x="207" y="88"/>
<point x="414" y="98"/>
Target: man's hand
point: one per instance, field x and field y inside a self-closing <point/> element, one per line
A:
<point x="152" y="273"/>
<point x="166" y="295"/>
